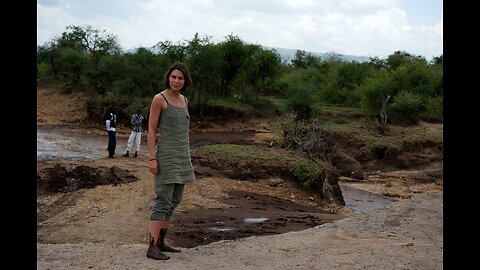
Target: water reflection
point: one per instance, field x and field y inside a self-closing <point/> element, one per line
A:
<point x="254" y="219"/>
<point x="222" y="229"/>
<point x="62" y="143"/>
<point x="363" y="201"/>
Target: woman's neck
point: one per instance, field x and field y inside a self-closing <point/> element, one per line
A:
<point x="173" y="93"/>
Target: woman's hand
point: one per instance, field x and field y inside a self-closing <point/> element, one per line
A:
<point x="153" y="166"/>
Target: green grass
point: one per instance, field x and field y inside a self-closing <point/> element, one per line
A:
<point x="280" y="103"/>
<point x="367" y="132"/>
<point x="333" y="119"/>
<point x="337" y="109"/>
<point x="244" y="152"/>
<point x="228" y="103"/>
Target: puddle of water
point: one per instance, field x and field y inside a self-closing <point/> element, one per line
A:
<point x="56" y="143"/>
<point x="59" y="143"/>
<point x="219" y="225"/>
<point x="362" y="201"/>
<point x="222" y="229"/>
<point x="254" y="219"/>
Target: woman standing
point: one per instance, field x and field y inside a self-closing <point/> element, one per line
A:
<point x="169" y="156"/>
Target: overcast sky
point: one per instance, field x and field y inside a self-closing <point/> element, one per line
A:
<point x="375" y="28"/>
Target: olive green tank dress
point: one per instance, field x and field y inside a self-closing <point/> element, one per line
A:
<point x="173" y="146"/>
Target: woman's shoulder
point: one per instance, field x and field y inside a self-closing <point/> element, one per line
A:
<point x="159" y="99"/>
<point x="159" y="94"/>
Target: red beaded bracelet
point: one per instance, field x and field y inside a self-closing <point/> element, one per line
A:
<point x="151" y="159"/>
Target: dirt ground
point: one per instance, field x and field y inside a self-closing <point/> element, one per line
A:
<point x="93" y="213"/>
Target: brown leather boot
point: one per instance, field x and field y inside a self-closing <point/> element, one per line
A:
<point x="153" y="251"/>
<point x="161" y="243"/>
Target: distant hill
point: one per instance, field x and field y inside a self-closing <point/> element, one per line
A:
<point x="288" y="54"/>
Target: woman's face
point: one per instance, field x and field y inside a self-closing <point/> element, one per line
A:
<point x="176" y="80"/>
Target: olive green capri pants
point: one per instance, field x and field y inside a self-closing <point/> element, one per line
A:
<point x="168" y="197"/>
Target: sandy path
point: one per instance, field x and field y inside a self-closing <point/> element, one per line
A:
<point x="404" y="235"/>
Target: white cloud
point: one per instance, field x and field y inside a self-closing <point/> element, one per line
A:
<point x="358" y="27"/>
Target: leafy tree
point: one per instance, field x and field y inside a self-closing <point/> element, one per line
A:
<point x="438" y="61"/>
<point x="173" y="52"/>
<point x="256" y="75"/>
<point x="83" y="56"/>
<point x="47" y="54"/>
<point x="205" y="60"/>
<point x="375" y="91"/>
<point x="94" y="41"/>
<point x="268" y="63"/>
<point x="145" y="69"/>
<point x="400" y="58"/>
<point x="345" y="78"/>
<point x="110" y="70"/>
<point x="234" y="55"/>
<point x="71" y="64"/>
<point x="378" y="63"/>
<point x="78" y="51"/>
<point x="416" y="78"/>
<point x="300" y="101"/>
<point x="300" y="59"/>
<point x="96" y="44"/>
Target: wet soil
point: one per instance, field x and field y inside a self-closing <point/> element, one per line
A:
<point x="249" y="214"/>
<point x="219" y="205"/>
<point x="236" y="209"/>
<point x="80" y="190"/>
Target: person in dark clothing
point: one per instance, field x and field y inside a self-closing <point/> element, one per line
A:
<point x="112" y="142"/>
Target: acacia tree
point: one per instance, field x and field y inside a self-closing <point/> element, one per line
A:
<point x="94" y="41"/>
<point x="85" y="44"/>
<point x="95" y="44"/>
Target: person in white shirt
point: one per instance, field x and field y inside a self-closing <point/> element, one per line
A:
<point x="110" y="124"/>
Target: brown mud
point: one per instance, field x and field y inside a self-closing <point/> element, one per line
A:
<point x="101" y="200"/>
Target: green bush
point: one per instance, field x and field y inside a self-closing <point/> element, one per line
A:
<point x="406" y="108"/>
<point x="300" y="172"/>
<point x="301" y="101"/>
<point x="289" y="131"/>
<point x="98" y="106"/>
<point x="434" y="109"/>
<point x="308" y="174"/>
<point x="44" y="71"/>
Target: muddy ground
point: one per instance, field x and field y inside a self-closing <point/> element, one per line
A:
<point x="85" y="198"/>
<point x="219" y="205"/>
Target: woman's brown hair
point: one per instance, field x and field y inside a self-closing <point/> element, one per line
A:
<point x="184" y="69"/>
